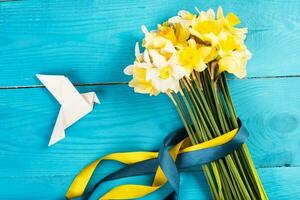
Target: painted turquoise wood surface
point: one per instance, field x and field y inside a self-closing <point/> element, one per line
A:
<point x="90" y="42"/>
<point x="96" y="38"/>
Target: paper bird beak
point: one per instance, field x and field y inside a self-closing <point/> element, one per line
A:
<point x="96" y="99"/>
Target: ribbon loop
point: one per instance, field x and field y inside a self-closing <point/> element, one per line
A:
<point x="175" y="154"/>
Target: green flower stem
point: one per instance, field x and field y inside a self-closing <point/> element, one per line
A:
<point x="227" y="192"/>
<point x="199" y="132"/>
<point x="208" y="95"/>
<point x="201" y="116"/>
<point x="192" y="97"/>
<point x="218" y="179"/>
<point x="235" y="154"/>
<point x="222" y="166"/>
<point x="180" y="110"/>
<point x="195" y="122"/>
<point x="208" y="176"/>
<point x="208" y="85"/>
<point x="192" y="115"/>
<point x="235" y="188"/>
<point x="178" y="105"/>
<point x="244" y="152"/>
<point x="243" y="174"/>
<point x="204" y="138"/>
<point x="262" y="192"/>
<point x="226" y="94"/>
<point x="206" y="107"/>
<point x="225" y="128"/>
<point x="206" y="110"/>
<point x="217" y="105"/>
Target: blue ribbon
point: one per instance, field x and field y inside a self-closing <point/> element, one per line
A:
<point x="170" y="168"/>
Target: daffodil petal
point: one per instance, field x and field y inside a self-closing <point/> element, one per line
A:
<point x="159" y="61"/>
<point x="128" y="70"/>
<point x="151" y="73"/>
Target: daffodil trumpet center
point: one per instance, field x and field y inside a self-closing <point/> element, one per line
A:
<point x="165" y="72"/>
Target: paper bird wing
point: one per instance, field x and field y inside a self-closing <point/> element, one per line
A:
<point x="54" y="84"/>
<point x="62" y="89"/>
<point x="59" y="129"/>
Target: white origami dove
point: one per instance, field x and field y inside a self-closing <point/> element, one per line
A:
<point x="73" y="104"/>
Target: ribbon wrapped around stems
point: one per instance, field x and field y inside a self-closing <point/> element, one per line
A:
<point x="176" y="154"/>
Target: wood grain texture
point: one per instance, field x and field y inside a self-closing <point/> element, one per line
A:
<point x="120" y="123"/>
<point x="270" y="109"/>
<point x="92" y="41"/>
<point x="281" y="184"/>
<point x="127" y="122"/>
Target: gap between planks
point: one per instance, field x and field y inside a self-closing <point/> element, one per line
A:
<point x="2" y="1"/>
<point x="75" y="84"/>
<point x="124" y="82"/>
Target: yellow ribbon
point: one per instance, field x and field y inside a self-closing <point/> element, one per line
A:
<point x="131" y="191"/>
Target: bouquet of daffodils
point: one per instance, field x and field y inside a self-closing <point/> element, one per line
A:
<point x="186" y="58"/>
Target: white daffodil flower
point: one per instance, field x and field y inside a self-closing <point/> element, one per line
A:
<point x="164" y="74"/>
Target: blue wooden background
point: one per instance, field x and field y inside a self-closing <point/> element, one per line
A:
<point x="91" y="42"/>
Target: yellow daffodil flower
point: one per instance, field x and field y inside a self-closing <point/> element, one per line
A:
<point x="161" y="41"/>
<point x="235" y="63"/>
<point x="227" y="44"/>
<point x="138" y="72"/>
<point x="187" y="43"/>
<point x="213" y="54"/>
<point x="230" y="20"/>
<point x="193" y="57"/>
<point x="167" y="32"/>
<point x="228" y="24"/>
<point x="178" y="34"/>
<point x="153" y="40"/>
<point x="139" y="82"/>
<point x="206" y="28"/>
<point x="181" y="24"/>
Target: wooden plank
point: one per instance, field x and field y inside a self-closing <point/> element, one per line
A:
<point x="94" y="41"/>
<point x="120" y="123"/>
<point x="27" y="188"/>
<point x="280" y="184"/>
<point x="126" y="121"/>
<point x="270" y="109"/>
